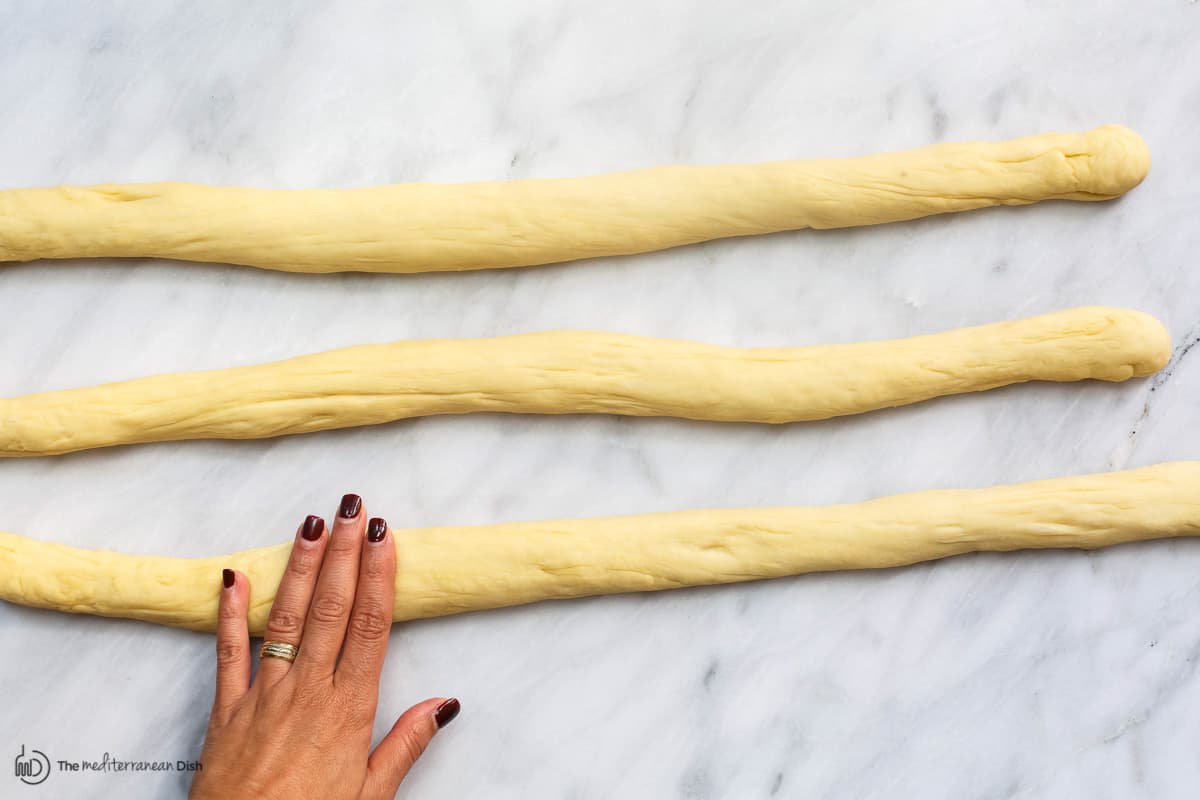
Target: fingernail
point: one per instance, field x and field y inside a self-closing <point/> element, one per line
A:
<point x="351" y="505"/>
<point x="376" y="530"/>
<point x="446" y="712"/>
<point x="313" y="527"/>
<point x="227" y="578"/>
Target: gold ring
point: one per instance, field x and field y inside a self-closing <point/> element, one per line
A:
<point x="287" y="652"/>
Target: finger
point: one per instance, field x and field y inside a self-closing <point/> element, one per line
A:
<point x="371" y="617"/>
<point x="325" y="626"/>
<point x="405" y="743"/>
<point x="233" y="640"/>
<point x="285" y="623"/>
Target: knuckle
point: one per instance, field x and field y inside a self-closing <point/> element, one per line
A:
<point x="358" y="714"/>
<point x="230" y="654"/>
<point x="304" y="564"/>
<point x="413" y="744"/>
<point x="375" y="568"/>
<point x="345" y="543"/>
<point x="329" y="608"/>
<point x="229" y="611"/>
<point x="277" y="698"/>
<point x="218" y="719"/>
<point x="223" y="717"/>
<point x="370" y="624"/>
<point x="311" y="695"/>
<point x="284" y="621"/>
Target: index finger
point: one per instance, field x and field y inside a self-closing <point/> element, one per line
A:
<point x="371" y="617"/>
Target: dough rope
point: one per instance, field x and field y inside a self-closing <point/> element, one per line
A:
<point x="454" y="569"/>
<point x="427" y="227"/>
<point x="567" y="372"/>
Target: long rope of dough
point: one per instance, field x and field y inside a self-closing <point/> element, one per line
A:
<point x="455" y="569"/>
<point x="426" y="227"/>
<point x="579" y="372"/>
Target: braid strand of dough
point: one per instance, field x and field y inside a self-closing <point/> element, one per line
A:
<point x="455" y="569"/>
<point x="569" y="372"/>
<point x="428" y="227"/>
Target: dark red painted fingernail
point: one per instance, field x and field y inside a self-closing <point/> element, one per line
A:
<point x="376" y="530"/>
<point x="314" y="526"/>
<point x="351" y="505"/>
<point x="446" y="712"/>
<point x="228" y="577"/>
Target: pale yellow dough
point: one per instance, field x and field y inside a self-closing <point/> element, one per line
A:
<point x="449" y="570"/>
<point x="580" y="372"/>
<point x="424" y="227"/>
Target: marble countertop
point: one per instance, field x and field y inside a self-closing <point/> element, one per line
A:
<point x="1053" y="674"/>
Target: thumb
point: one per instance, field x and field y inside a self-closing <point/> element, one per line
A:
<point x="405" y="743"/>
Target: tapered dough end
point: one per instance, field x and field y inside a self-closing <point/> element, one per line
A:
<point x="1115" y="160"/>
<point x="1148" y="339"/>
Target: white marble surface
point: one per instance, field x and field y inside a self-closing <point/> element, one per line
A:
<point x="1058" y="674"/>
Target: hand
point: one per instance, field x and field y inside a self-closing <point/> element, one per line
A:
<point x="303" y="729"/>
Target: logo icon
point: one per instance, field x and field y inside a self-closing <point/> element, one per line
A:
<point x="32" y="769"/>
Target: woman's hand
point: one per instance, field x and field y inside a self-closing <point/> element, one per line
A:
<point x="303" y="728"/>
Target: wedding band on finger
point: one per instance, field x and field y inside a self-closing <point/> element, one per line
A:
<point x="287" y="652"/>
